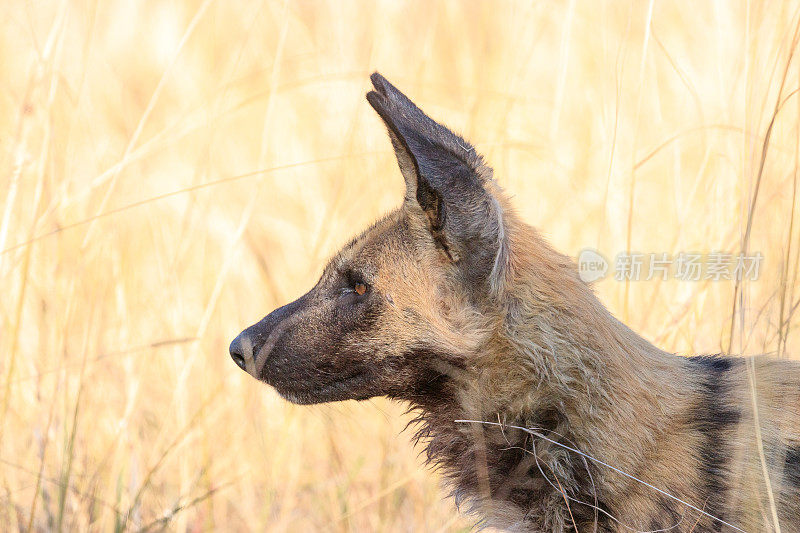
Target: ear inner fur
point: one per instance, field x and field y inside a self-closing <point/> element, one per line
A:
<point x="449" y="181"/>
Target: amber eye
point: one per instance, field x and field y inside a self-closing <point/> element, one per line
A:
<point x="360" y="288"/>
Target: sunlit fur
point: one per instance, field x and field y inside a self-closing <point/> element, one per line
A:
<point x="520" y="341"/>
<point x="555" y="358"/>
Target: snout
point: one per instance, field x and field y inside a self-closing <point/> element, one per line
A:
<point x="252" y="347"/>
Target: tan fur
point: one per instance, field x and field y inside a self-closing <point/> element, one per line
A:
<point x="544" y="412"/>
<point x="625" y="400"/>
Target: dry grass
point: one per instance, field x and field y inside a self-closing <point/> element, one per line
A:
<point x="171" y="171"/>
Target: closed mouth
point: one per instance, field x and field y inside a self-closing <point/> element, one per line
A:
<point x="337" y="390"/>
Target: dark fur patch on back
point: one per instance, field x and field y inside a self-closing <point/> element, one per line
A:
<point x="792" y="467"/>
<point x="714" y="417"/>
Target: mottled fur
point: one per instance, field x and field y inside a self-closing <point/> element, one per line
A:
<point x="468" y="314"/>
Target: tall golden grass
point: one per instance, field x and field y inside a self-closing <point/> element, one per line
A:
<point x="172" y="171"/>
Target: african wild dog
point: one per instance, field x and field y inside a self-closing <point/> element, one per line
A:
<point x="455" y="305"/>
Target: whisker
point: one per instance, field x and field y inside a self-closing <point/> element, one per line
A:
<point x="598" y="461"/>
<point x="597" y="509"/>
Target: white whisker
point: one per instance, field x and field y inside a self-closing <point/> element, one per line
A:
<point x="598" y="461"/>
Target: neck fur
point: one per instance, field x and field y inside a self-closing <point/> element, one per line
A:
<point x="560" y="363"/>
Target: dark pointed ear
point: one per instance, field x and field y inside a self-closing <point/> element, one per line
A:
<point x="449" y="181"/>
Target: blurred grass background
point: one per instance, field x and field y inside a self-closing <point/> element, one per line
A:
<point x="172" y="171"/>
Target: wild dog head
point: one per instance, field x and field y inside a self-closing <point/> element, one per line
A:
<point x="402" y="309"/>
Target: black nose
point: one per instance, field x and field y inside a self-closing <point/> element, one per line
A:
<point x="237" y="353"/>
